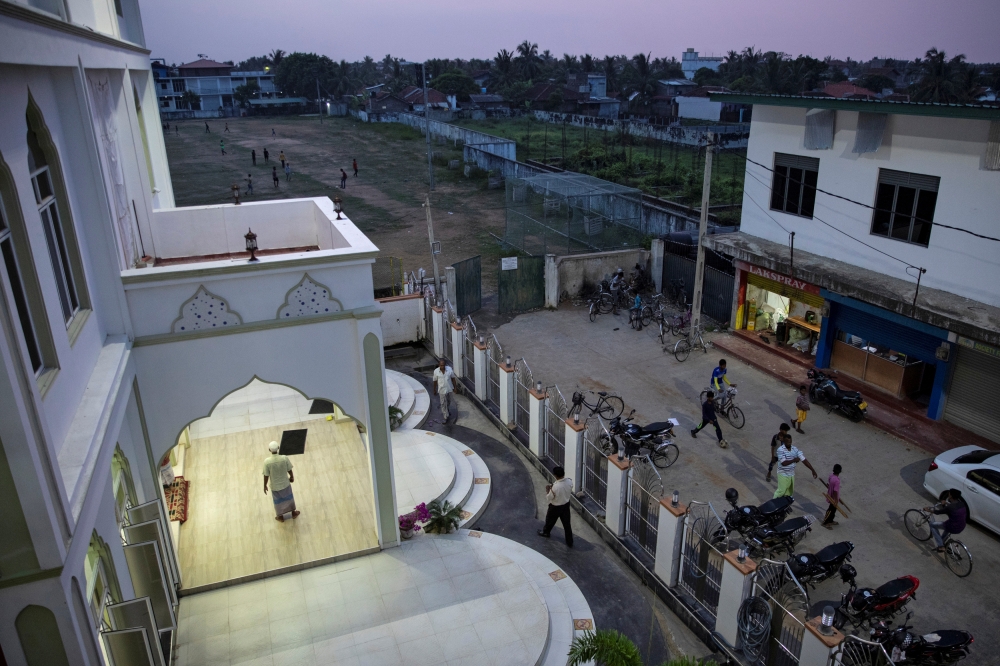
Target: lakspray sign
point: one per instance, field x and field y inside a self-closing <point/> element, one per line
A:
<point x="779" y="278"/>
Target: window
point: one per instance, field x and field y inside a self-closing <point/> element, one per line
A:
<point x="974" y="457"/>
<point x="986" y="478"/>
<point x="793" y="188"/>
<point x="904" y="206"/>
<point x="178" y="85"/>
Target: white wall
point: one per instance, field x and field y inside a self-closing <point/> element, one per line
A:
<point x="402" y="317"/>
<point x="698" y="107"/>
<point x="952" y="149"/>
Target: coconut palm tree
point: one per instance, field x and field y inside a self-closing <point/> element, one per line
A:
<point x="276" y="56"/>
<point x="942" y="79"/>
<point x="504" y="66"/>
<point x="587" y="62"/>
<point x="527" y="60"/>
<point x="610" y="69"/>
<point x="641" y="78"/>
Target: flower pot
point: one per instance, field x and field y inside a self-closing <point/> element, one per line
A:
<point x="406" y="534"/>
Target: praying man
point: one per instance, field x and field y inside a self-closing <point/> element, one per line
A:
<point x="278" y="470"/>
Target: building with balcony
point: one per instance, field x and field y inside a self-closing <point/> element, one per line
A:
<point x="692" y="61"/>
<point x="215" y="84"/>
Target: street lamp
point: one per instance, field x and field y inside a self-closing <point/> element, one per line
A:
<point x="338" y="206"/>
<point x="251" y="238"/>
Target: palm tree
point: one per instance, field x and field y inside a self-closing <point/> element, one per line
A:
<point x="587" y="62"/>
<point x="527" y="60"/>
<point x="641" y="78"/>
<point x="605" y="647"/>
<point x="277" y="55"/>
<point x="190" y="99"/>
<point x="611" y="73"/>
<point x="941" y="79"/>
<point x="504" y="65"/>
<point x="344" y="80"/>
<point x="368" y="70"/>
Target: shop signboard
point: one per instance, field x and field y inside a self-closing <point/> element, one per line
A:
<point x="778" y="277"/>
<point x="979" y="346"/>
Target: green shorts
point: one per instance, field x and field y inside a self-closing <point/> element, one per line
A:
<point x="786" y="486"/>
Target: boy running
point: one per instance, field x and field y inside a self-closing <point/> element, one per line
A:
<point x="801" y="408"/>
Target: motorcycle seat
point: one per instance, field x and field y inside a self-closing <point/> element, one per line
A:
<point x="894" y="589"/>
<point x="845" y="395"/>
<point x="948" y="638"/>
<point x="775" y="505"/>
<point x="834" y="552"/>
<point x="788" y="527"/>
<point x="657" y="427"/>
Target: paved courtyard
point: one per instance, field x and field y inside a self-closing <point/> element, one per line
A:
<point x="882" y="477"/>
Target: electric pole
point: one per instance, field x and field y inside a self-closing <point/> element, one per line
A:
<point x="434" y="259"/>
<point x="699" y="270"/>
<point x="430" y="166"/>
<point x="319" y="102"/>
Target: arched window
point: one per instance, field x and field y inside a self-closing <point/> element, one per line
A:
<point x="41" y="642"/>
<point x="122" y="485"/>
<point x="103" y="588"/>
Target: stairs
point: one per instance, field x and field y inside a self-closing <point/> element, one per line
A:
<point x="473" y="483"/>
<point x="410" y="397"/>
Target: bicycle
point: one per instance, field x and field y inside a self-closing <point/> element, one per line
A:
<point x="600" y="304"/>
<point x="682" y="348"/>
<point x="957" y="556"/>
<point x="607" y="406"/>
<point x="676" y="292"/>
<point x="726" y="405"/>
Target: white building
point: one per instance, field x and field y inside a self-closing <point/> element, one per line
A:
<point x="123" y="320"/>
<point x="215" y="83"/>
<point x="691" y="62"/>
<point x="877" y="195"/>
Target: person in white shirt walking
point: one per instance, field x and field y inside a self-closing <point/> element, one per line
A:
<point x="788" y="457"/>
<point x="446" y="385"/>
<point x="558" y="494"/>
<point x="278" y="470"/>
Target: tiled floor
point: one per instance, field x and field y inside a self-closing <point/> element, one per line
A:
<point x="423" y="470"/>
<point x="436" y="600"/>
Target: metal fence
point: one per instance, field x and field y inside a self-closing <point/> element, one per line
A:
<point x="642" y="514"/>
<point x="595" y="463"/>
<point x="494" y="357"/>
<point x="554" y="439"/>
<point x="717" y="295"/>
<point x="856" y="651"/>
<point x="522" y="388"/>
<point x="469" y="351"/>
<point x="701" y="557"/>
<point x="429" y="314"/>
<point x="781" y="623"/>
<point x="449" y="318"/>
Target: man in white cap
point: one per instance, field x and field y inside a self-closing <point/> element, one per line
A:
<point x="278" y="470"/>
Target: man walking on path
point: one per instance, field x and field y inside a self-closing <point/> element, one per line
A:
<point x="775" y="443"/>
<point x="833" y="495"/>
<point x="355" y="163"/>
<point x="266" y="155"/>
<point x="708" y="416"/>
<point x="272" y="132"/>
<point x="278" y="470"/>
<point x="801" y="408"/>
<point x="343" y="179"/>
<point x="177" y="129"/>
<point x="253" y="157"/>
<point x="558" y="494"/>
<point x="222" y="144"/>
<point x="446" y="384"/>
<point x="249" y="183"/>
<point x="288" y="171"/>
<point x="788" y="457"/>
<point x="206" y="128"/>
<point x="274" y="177"/>
<point x="281" y="156"/>
<point x="227" y="127"/>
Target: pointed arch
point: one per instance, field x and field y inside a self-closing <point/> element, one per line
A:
<point x="204" y="311"/>
<point x="308" y="298"/>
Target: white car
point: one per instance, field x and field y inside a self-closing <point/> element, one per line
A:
<point x="976" y="472"/>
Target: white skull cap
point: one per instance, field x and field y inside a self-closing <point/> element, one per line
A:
<point x="273" y="447"/>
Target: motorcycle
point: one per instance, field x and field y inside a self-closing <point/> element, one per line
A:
<point x="813" y="569"/>
<point x="766" y="541"/>
<point x="656" y="437"/>
<point x="823" y="388"/>
<point x="867" y="606"/>
<point x="938" y="648"/>
<point x="745" y="519"/>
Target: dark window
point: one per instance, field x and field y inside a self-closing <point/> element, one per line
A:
<point x="974" y="457"/>
<point x="118" y="8"/>
<point x="986" y="478"/>
<point x="178" y="85"/>
<point x="20" y="296"/>
<point x="904" y="206"/>
<point x="793" y="187"/>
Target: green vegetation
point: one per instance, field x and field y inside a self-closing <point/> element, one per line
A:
<point x="608" y="647"/>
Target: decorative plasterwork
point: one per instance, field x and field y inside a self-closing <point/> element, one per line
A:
<point x="308" y="298"/>
<point x="205" y="311"/>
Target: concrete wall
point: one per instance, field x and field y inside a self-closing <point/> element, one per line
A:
<point x="487" y="142"/>
<point x="952" y="149"/>
<point x="698" y="107"/>
<point x="730" y="136"/>
<point x="402" y="317"/>
<point x="581" y="273"/>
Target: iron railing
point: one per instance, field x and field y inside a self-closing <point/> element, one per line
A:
<point x="522" y="389"/>
<point x="856" y="651"/>
<point x="494" y="357"/>
<point x="642" y="516"/>
<point x="775" y="583"/>
<point x="554" y="439"/>
<point x="701" y="556"/>
<point x="595" y="463"/>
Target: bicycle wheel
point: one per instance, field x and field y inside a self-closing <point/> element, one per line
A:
<point x="605" y="303"/>
<point x="958" y="558"/>
<point x="917" y="524"/>
<point x="663" y="330"/>
<point x="593" y="311"/>
<point x="682" y="349"/>
<point x="613" y="406"/>
<point x="735" y="417"/>
<point x="675" y="326"/>
<point x="665" y="456"/>
<point x="646" y="315"/>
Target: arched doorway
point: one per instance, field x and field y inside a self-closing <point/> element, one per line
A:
<point x="224" y="523"/>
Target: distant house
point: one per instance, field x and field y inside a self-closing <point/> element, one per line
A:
<point x="483" y="78"/>
<point x="487" y="102"/>
<point x="696" y="104"/>
<point x="214" y="82"/>
<point x="674" y="87"/>
<point x="386" y="103"/>
<point x="594" y="99"/>
<point x="847" y="90"/>
<point x="691" y="62"/>
<point x="414" y="98"/>
<point x="553" y="97"/>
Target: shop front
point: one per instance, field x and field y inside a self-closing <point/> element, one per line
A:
<point x="905" y="358"/>
<point x="970" y="405"/>
<point x="779" y="309"/>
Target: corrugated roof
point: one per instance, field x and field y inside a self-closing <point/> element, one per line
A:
<point x="845" y="89"/>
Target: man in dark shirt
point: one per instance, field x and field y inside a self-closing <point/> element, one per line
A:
<point x="953" y="506"/>
<point x="708" y="416"/>
<point x="775" y="443"/>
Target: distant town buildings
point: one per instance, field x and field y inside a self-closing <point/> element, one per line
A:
<point x="691" y="62"/>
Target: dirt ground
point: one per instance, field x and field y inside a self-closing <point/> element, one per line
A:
<point x="384" y="200"/>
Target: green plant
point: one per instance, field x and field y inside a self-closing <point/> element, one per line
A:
<point x="445" y="517"/>
<point x="604" y="647"/>
<point x="395" y="417"/>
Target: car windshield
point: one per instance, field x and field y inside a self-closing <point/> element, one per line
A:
<point x="974" y="457"/>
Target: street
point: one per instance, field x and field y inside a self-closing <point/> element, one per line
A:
<point x="882" y="475"/>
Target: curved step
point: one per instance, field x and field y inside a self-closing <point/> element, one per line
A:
<point x="420" y="410"/>
<point x="461" y="489"/>
<point x="424" y="469"/>
<point x="392" y="390"/>
<point x="405" y="400"/>
<point x="482" y="489"/>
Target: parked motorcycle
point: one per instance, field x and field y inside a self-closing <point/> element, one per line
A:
<point x="768" y="541"/>
<point x="745" y="519"/>
<point x="815" y="568"/>
<point x="656" y="438"/>
<point x="938" y="648"/>
<point x="823" y="388"/>
<point x="866" y="606"/>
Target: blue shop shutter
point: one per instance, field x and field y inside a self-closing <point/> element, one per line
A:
<point x="883" y="332"/>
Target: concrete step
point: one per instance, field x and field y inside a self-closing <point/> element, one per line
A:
<point x="464" y="483"/>
<point x="421" y="407"/>
<point x="392" y="390"/>
<point x="481" y="490"/>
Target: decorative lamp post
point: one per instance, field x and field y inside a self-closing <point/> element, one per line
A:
<point x="251" y="238"/>
<point x="338" y="206"/>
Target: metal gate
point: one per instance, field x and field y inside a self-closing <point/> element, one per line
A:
<point x="642" y="514"/>
<point x="522" y="387"/>
<point x="856" y="651"/>
<point x="494" y="357"/>
<point x="449" y="319"/>
<point x="969" y="405"/>
<point x="468" y="286"/>
<point x="554" y="447"/>
<point x="676" y="267"/>
<point x="717" y="295"/>
<point x="387" y="276"/>
<point x="702" y="556"/>
<point x="595" y="463"/>
<point x="772" y="632"/>
<point x="521" y="284"/>
<point x="469" y="352"/>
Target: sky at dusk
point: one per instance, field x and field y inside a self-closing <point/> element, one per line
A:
<point x="178" y="30"/>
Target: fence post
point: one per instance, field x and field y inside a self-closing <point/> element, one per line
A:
<point x="536" y="416"/>
<point x="506" y="398"/>
<point x="551" y="282"/>
<point x="669" y="537"/>
<point x="439" y="322"/>
<point x="480" y="369"/>
<point x="732" y="590"/>
<point x="656" y="263"/>
<point x="573" y="452"/>
<point x="614" y="509"/>
<point x="449" y="286"/>
<point x="818" y="648"/>
<point x="422" y="326"/>
<point x="457" y="349"/>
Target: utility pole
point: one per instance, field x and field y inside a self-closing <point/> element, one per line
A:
<point x="319" y="102"/>
<point x="434" y="259"/>
<point x="430" y="166"/>
<point x="699" y="270"/>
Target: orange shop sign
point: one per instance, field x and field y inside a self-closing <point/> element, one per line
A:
<point x="779" y="278"/>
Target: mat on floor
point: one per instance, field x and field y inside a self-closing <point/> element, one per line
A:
<point x="177" y="499"/>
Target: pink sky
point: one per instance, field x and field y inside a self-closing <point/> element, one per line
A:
<point x="180" y="29"/>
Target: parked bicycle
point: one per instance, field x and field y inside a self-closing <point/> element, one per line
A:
<point x="607" y="406"/>
<point x="683" y="347"/>
<point x="956" y="554"/>
<point x="675" y="324"/>
<point x="676" y="292"/>
<point x="725" y="404"/>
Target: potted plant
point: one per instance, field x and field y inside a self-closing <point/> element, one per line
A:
<point x="395" y="417"/>
<point x="410" y="522"/>
<point x="445" y="517"/>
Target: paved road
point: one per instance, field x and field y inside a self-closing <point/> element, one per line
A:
<point x="882" y="477"/>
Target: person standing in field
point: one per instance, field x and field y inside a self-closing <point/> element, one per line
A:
<point x="274" y="176"/>
<point x="343" y="179"/>
<point x="206" y="128"/>
<point x="281" y="156"/>
<point x="227" y="127"/>
<point x="272" y="132"/>
<point x="355" y="167"/>
<point x="249" y="183"/>
<point x="266" y="155"/>
<point x="222" y="144"/>
<point x="288" y="171"/>
<point x="253" y="157"/>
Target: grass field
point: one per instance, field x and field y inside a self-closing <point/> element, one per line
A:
<point x="384" y="200"/>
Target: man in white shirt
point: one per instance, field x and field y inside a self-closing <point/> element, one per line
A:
<point x="446" y="385"/>
<point x="788" y="457"/>
<point x="278" y="471"/>
<point x="558" y="494"/>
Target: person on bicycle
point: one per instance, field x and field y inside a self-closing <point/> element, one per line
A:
<point x="718" y="377"/>
<point x="953" y="506"/>
<point x="639" y="278"/>
<point x="618" y="284"/>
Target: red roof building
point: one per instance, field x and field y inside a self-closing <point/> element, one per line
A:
<point x="846" y="89"/>
<point x="205" y="67"/>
